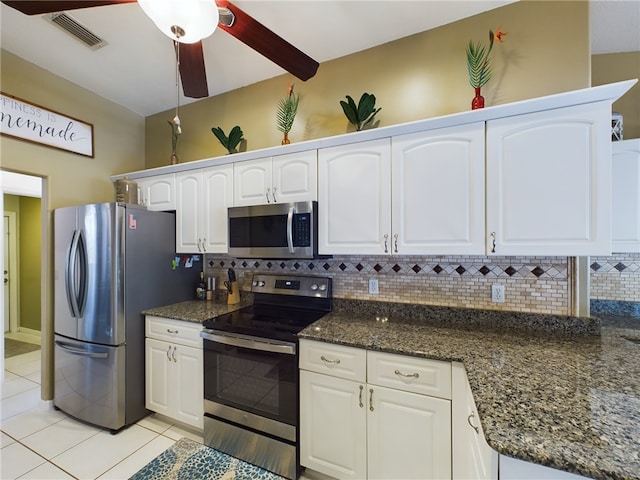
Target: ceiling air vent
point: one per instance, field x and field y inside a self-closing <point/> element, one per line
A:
<point x="70" y="25"/>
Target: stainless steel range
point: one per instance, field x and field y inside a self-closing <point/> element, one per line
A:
<point x="251" y="371"/>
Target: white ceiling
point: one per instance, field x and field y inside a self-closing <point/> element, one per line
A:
<point x="136" y="69"/>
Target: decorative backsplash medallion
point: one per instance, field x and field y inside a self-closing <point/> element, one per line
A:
<point x="532" y="284"/>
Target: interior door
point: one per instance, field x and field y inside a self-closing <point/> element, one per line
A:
<point x="5" y="275"/>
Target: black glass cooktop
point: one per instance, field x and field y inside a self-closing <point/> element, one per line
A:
<point x="278" y="323"/>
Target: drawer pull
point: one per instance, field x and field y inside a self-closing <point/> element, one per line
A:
<point x="171" y="331"/>
<point x="361" y="404"/>
<point x="371" y="399"/>
<point x="407" y="375"/>
<point x="326" y="360"/>
<point x="471" y="415"/>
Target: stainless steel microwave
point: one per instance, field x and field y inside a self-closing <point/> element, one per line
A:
<point x="277" y="230"/>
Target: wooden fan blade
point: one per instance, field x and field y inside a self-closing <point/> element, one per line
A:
<point x="33" y="7"/>
<point x="192" y="70"/>
<point x="264" y="41"/>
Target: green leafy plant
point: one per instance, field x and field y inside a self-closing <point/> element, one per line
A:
<point x="287" y="109"/>
<point x="362" y="114"/>
<point x="479" y="59"/>
<point x="231" y="142"/>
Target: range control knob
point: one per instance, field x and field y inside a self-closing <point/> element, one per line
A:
<point x="314" y="287"/>
<point x="254" y="283"/>
<point x="261" y="283"/>
<point x="323" y="287"/>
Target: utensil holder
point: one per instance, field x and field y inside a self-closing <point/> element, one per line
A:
<point x="233" y="296"/>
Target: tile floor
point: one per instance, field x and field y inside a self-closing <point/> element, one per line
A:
<point x="39" y="442"/>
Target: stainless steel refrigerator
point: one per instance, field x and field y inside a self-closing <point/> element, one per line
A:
<point x="111" y="261"/>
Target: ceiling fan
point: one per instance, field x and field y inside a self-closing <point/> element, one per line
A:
<point x="192" y="70"/>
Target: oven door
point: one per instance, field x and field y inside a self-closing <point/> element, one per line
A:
<point x="251" y="381"/>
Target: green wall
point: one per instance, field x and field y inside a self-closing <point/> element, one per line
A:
<point x="28" y="240"/>
<point x="546" y="51"/>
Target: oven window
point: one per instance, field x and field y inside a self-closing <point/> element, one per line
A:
<point x="263" y="383"/>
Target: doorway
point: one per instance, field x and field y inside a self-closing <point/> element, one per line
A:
<point x="22" y="269"/>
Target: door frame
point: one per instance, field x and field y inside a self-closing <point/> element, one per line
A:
<point x="15" y="274"/>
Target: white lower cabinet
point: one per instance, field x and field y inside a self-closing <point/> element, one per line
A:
<point x="173" y="370"/>
<point x="373" y="425"/>
<point x="473" y="458"/>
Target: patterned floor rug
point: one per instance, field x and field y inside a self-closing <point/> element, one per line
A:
<point x="190" y="460"/>
<point x="15" y="347"/>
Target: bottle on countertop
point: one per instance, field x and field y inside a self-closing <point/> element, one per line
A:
<point x="201" y="288"/>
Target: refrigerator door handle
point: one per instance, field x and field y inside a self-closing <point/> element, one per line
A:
<point x="76" y="275"/>
<point x="79" y="351"/>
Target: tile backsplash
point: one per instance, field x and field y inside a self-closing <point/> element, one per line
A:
<point x="616" y="277"/>
<point x="532" y="284"/>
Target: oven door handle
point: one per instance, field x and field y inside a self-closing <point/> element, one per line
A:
<point x="251" y="343"/>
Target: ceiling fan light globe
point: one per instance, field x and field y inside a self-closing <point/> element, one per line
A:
<point x="197" y="18"/>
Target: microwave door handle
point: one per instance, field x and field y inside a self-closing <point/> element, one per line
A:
<point x="290" y="230"/>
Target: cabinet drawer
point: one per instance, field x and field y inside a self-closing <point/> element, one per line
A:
<point x="411" y="374"/>
<point x="331" y="359"/>
<point x="176" y="331"/>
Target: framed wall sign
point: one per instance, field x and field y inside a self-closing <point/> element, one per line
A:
<point x="33" y="123"/>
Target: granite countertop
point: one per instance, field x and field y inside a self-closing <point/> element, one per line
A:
<point x="564" y="397"/>
<point x="197" y="311"/>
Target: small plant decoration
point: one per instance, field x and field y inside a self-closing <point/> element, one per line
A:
<point x="363" y="114"/>
<point x="286" y="114"/>
<point x="231" y="142"/>
<point x="479" y="65"/>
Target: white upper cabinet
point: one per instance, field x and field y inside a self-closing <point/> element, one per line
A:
<point x="158" y="192"/>
<point x="281" y="179"/>
<point x="415" y="194"/>
<point x="625" y="228"/>
<point x="437" y="192"/>
<point x="549" y="182"/>
<point x="354" y="198"/>
<point x="203" y="197"/>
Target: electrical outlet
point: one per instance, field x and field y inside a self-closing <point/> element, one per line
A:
<point x="497" y="293"/>
<point x="373" y="286"/>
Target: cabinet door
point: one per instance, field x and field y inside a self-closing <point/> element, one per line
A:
<point x="217" y="197"/>
<point x="157" y="386"/>
<point x="187" y="385"/>
<point x="295" y="177"/>
<point x="549" y="182"/>
<point x="354" y="198"/>
<point x="188" y="212"/>
<point x="625" y="228"/>
<point x="158" y="193"/>
<point x="408" y="435"/>
<point x="438" y="191"/>
<point x="252" y="182"/>
<point x="472" y="456"/>
<point x="333" y="426"/>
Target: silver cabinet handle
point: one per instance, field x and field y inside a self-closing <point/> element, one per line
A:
<point x="173" y="355"/>
<point x="169" y="353"/>
<point x="273" y="194"/>
<point x="386" y="249"/>
<point x="360" y="398"/>
<point x="267" y="195"/>
<point x="371" y="399"/>
<point x="171" y="331"/>
<point x="326" y="360"/>
<point x="407" y="375"/>
<point x="493" y="242"/>
<point x="204" y="245"/>
<point x="471" y="415"/>
<point x="395" y="243"/>
<point x="199" y="246"/>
